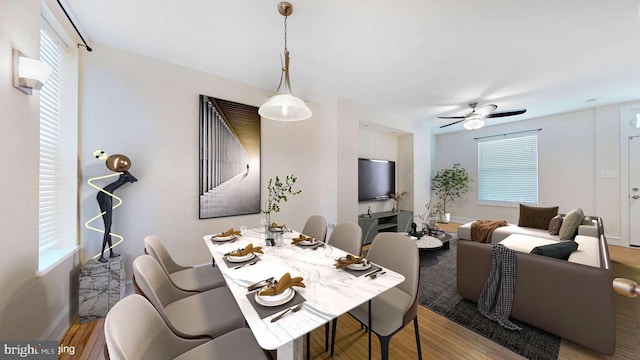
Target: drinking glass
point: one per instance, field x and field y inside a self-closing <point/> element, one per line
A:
<point x="314" y="279"/>
<point x="328" y="249"/>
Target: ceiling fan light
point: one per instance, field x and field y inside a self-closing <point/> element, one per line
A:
<point x="473" y="124"/>
<point x="285" y="107"/>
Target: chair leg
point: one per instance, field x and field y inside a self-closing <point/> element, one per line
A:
<point x="308" y="346"/>
<point x="415" y="323"/>
<point x="384" y="346"/>
<point x="333" y="334"/>
<point x="326" y="337"/>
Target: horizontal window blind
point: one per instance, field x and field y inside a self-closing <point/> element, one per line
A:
<point x="508" y="170"/>
<point x="49" y="178"/>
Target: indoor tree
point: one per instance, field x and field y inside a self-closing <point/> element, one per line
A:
<point x="450" y="184"/>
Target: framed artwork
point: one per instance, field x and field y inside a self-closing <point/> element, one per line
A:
<point x="229" y="158"/>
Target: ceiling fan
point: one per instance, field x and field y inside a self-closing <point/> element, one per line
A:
<point x="474" y="119"/>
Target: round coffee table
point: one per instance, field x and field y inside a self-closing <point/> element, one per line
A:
<point x="429" y="243"/>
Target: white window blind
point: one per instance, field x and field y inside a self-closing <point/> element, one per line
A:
<point x="508" y="170"/>
<point x="49" y="176"/>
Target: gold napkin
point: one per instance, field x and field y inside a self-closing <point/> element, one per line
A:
<point x="349" y="260"/>
<point x="229" y="233"/>
<point x="302" y="237"/>
<point x="247" y="250"/>
<point x="276" y="226"/>
<point x="284" y="283"/>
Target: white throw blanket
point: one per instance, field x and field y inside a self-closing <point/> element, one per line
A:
<point x="496" y="298"/>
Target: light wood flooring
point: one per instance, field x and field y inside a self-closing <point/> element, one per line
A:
<point x="440" y="337"/>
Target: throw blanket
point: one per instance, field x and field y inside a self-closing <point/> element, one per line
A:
<point x="481" y="230"/>
<point x="496" y="298"/>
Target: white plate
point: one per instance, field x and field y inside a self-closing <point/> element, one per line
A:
<point x="307" y="242"/>
<point x="359" y="266"/>
<point x="275" y="300"/>
<point x="241" y="258"/>
<point x="276" y="229"/>
<point x="222" y="238"/>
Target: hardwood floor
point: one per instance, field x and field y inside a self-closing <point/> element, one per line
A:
<point x="440" y="337"/>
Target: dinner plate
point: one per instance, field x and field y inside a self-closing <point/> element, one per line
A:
<point x="307" y="242"/>
<point x="276" y="229"/>
<point x="222" y="238"/>
<point x="359" y="266"/>
<point x="275" y="300"/>
<point x="247" y="257"/>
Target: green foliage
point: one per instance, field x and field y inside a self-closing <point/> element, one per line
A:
<point x="450" y="184"/>
<point x="278" y="191"/>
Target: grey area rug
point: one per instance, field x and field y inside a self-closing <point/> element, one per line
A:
<point x="438" y="293"/>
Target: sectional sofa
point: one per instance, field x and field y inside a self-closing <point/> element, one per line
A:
<point x="571" y="298"/>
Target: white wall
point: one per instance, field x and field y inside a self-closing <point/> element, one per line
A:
<point x="574" y="149"/>
<point x="148" y="110"/>
<point x="31" y="307"/>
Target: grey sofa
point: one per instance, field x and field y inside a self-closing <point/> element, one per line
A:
<point x="567" y="298"/>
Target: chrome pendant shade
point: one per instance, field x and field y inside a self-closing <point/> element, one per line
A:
<point x="284" y="106"/>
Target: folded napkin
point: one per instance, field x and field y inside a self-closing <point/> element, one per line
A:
<point x="284" y="283"/>
<point x="276" y="226"/>
<point x="247" y="250"/>
<point x="229" y="233"/>
<point x="300" y="238"/>
<point x="349" y="260"/>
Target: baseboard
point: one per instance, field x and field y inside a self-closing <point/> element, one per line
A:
<point x="615" y="240"/>
<point x="58" y="327"/>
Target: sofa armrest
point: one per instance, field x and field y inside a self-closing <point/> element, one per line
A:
<point x="550" y="294"/>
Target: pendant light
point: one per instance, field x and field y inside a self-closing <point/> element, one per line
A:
<point x="283" y="106"/>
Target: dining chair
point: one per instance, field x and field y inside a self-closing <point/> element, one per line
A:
<point x="134" y="330"/>
<point x="316" y="226"/>
<point x="188" y="314"/>
<point x="392" y="310"/>
<point x="347" y="236"/>
<point x="189" y="278"/>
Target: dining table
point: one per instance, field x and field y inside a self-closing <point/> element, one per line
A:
<point x="328" y="292"/>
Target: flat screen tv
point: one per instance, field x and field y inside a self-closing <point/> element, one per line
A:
<point x="376" y="179"/>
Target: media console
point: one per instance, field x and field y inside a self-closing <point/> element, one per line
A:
<point x="386" y="221"/>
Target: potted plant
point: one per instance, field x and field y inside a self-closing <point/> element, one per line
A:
<point x="450" y="184"/>
<point x="396" y="200"/>
<point x="278" y="191"/>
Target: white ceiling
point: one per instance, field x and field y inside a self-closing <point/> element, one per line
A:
<point x="415" y="58"/>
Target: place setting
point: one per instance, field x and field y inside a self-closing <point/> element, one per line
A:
<point x="243" y="256"/>
<point x="270" y="296"/>
<point x="307" y="242"/>
<point x="227" y="237"/>
<point x="358" y="266"/>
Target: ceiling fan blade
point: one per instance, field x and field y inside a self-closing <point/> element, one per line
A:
<point x="506" y="113"/>
<point x="453" y="123"/>
<point x="486" y="110"/>
<point x="451" y="117"/>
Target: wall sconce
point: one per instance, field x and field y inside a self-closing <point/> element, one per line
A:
<point x="28" y="74"/>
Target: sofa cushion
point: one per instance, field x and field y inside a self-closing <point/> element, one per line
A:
<point x="588" y="252"/>
<point x="525" y="243"/>
<point x="570" y="224"/>
<point x="555" y="224"/>
<point x="536" y="217"/>
<point x="561" y="250"/>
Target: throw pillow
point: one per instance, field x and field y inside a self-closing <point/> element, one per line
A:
<point x="561" y="250"/>
<point x="536" y="217"/>
<point x="570" y="224"/>
<point x="554" y="225"/>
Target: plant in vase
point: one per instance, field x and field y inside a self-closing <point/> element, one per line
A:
<point x="450" y="184"/>
<point x="429" y="218"/>
<point x="396" y="200"/>
<point x="278" y="191"/>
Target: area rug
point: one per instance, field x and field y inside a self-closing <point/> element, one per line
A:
<point x="438" y="293"/>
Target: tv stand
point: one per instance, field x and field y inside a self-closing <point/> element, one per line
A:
<point x="385" y="221"/>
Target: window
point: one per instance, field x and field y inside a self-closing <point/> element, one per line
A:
<point x="58" y="184"/>
<point x="508" y="170"/>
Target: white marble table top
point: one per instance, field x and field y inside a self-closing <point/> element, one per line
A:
<point x="336" y="293"/>
<point x="428" y="242"/>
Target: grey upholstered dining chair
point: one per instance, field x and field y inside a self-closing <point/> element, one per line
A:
<point x="316" y="226"/>
<point x="392" y="310"/>
<point x="190" y="278"/>
<point x="134" y="330"/>
<point x="188" y="314"/>
<point x="347" y="236"/>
